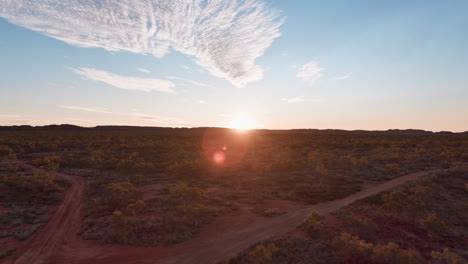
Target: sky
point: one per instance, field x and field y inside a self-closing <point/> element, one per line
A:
<point x="371" y="65"/>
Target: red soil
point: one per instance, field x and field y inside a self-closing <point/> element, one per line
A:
<point x="58" y="242"/>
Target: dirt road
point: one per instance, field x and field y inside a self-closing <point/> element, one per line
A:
<point x="58" y="242"/>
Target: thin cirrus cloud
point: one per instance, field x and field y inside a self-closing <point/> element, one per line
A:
<point x="343" y="77"/>
<point x="126" y="82"/>
<point x="143" y="70"/>
<point x="192" y="82"/>
<point x="299" y="99"/>
<point x="224" y="36"/>
<point x="310" y="72"/>
<point x="86" y="109"/>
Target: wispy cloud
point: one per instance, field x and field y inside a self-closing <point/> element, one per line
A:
<point x="192" y="82"/>
<point x="126" y="82"/>
<point x="143" y="70"/>
<point x="299" y="99"/>
<point x="224" y="36"/>
<point x="310" y="72"/>
<point x="87" y="109"/>
<point x="159" y="120"/>
<point x="343" y="77"/>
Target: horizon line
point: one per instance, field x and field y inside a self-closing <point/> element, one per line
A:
<point x="253" y="129"/>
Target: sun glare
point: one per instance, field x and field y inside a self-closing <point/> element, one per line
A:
<point x="243" y="123"/>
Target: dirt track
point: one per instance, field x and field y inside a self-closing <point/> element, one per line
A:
<point x="58" y="241"/>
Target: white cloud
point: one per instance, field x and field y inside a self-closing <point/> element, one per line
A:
<point x="299" y="99"/>
<point x="143" y="70"/>
<point x="310" y="72"/>
<point x="192" y="82"/>
<point x="87" y="109"/>
<point x="224" y="36"/>
<point x="201" y="101"/>
<point x="343" y="77"/>
<point x="126" y="82"/>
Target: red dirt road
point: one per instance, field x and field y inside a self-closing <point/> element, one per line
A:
<point x="58" y="242"/>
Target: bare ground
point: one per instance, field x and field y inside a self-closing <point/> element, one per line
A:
<point x="58" y="241"/>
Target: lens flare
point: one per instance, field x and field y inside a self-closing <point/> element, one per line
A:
<point x="224" y="147"/>
<point x="219" y="157"/>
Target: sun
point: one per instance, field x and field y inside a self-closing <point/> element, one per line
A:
<point x="243" y="123"/>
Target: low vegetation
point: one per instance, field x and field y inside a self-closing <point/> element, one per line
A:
<point x="420" y="222"/>
<point x="303" y="166"/>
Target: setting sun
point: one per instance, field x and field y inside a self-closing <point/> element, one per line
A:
<point x="243" y="123"/>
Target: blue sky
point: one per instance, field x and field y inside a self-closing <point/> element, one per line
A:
<point x="274" y="64"/>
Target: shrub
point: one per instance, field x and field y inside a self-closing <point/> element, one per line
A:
<point x="392" y="254"/>
<point x="393" y="168"/>
<point x="119" y="232"/>
<point x="5" y="150"/>
<point x="433" y="224"/>
<point x="136" y="178"/>
<point x="185" y="195"/>
<point x="136" y="207"/>
<point x="13" y="167"/>
<point x="120" y="194"/>
<point x="133" y="163"/>
<point x="262" y="253"/>
<point x="39" y="182"/>
<point x="352" y="247"/>
<point x="447" y="257"/>
<point x="187" y="168"/>
<point x="397" y="201"/>
<point x="313" y="223"/>
<point x="47" y="163"/>
<point x="363" y="227"/>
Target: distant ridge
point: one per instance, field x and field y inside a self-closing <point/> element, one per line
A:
<point x="69" y="127"/>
